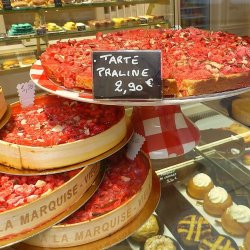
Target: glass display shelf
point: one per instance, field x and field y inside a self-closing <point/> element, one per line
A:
<point x="78" y="5"/>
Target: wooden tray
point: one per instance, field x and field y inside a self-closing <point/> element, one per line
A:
<point x="25" y="221"/>
<point x="99" y="227"/>
<point x="119" y="235"/>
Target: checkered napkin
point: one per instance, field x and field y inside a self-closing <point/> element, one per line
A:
<point x="167" y="131"/>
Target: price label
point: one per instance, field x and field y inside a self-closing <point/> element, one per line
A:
<point x="134" y="74"/>
<point x="26" y="93"/>
<point x="134" y="145"/>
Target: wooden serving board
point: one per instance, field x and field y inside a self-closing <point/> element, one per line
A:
<point x="98" y="228"/>
<point x="42" y="158"/>
<point x="22" y="222"/>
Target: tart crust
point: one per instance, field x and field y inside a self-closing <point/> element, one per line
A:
<point x="3" y="104"/>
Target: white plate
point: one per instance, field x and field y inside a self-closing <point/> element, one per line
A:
<point x="216" y="121"/>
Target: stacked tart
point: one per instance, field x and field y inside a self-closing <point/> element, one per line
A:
<point x="122" y="194"/>
<point x="56" y="132"/>
<point x="194" y="61"/>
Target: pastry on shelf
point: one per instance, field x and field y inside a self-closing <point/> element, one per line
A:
<point x="236" y="220"/>
<point x="10" y="64"/>
<point x="149" y="229"/>
<point x="158" y="242"/>
<point x="119" y="22"/>
<point x="18" y="4"/>
<point x="70" y="26"/>
<point x="192" y="229"/>
<point x="38" y="3"/>
<point x="27" y="61"/>
<point x="218" y="242"/>
<point x="81" y="26"/>
<point x="247" y="241"/>
<point x="53" y="27"/>
<point x="199" y="185"/>
<point x="216" y="201"/>
<point x="21" y="29"/>
<point x="241" y="110"/>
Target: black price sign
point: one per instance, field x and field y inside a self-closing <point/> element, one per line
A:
<point x="6" y="4"/>
<point x="128" y="75"/>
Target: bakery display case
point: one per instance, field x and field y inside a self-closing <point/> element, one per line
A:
<point x="194" y="197"/>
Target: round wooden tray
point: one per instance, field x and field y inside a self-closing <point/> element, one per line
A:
<point x="25" y="221"/>
<point x="120" y="235"/>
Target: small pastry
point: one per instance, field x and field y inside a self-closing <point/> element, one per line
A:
<point x="247" y="241"/>
<point x="218" y="242"/>
<point x="28" y="60"/>
<point x="216" y="201"/>
<point x="192" y="229"/>
<point x="149" y="229"/>
<point x="69" y="26"/>
<point x="236" y="220"/>
<point x="159" y="242"/>
<point x="10" y="64"/>
<point x="199" y="185"/>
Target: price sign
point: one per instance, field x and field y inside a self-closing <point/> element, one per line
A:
<point x="134" y="74"/>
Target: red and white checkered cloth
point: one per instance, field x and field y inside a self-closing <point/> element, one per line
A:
<point x="168" y="133"/>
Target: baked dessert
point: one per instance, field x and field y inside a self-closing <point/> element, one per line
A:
<point x="3" y="104"/>
<point x="194" y="61"/>
<point x="149" y="229"/>
<point x="70" y="26"/>
<point x="28" y="60"/>
<point x="39" y="3"/>
<point x="192" y="229"/>
<point x="21" y="29"/>
<point x="199" y="185"/>
<point x="247" y="241"/>
<point x="236" y="220"/>
<point x="218" y="242"/>
<point x="216" y="201"/>
<point x="241" y="110"/>
<point x="246" y="159"/>
<point x="52" y="27"/>
<point x="10" y="64"/>
<point x="159" y="242"/>
<point x="21" y="3"/>
<point x="57" y="132"/>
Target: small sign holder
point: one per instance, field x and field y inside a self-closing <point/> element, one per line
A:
<point x="26" y="93"/>
<point x="127" y="75"/>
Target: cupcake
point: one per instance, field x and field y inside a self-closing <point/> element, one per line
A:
<point x="216" y="201"/>
<point x="192" y="229"/>
<point x="199" y="185"/>
<point x="236" y="220"/>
